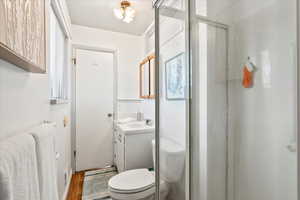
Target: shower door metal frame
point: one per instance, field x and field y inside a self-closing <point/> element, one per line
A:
<point x="298" y="95"/>
<point x="157" y="95"/>
<point x="191" y="131"/>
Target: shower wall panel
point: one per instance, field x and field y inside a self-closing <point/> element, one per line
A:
<point x="262" y="120"/>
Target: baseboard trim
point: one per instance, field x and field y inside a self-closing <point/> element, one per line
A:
<point x="68" y="185"/>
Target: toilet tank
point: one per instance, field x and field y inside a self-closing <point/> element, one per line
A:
<point x="172" y="160"/>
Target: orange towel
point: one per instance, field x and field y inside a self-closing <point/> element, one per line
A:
<point x="248" y="78"/>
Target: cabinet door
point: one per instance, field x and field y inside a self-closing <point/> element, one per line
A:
<point x="22" y="34"/>
<point x="115" y="148"/>
<point x="120" y="152"/>
<point x="143" y="157"/>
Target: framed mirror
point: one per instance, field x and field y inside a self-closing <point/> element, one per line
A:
<point x="152" y="76"/>
<point x="144" y="79"/>
<point x="147" y="78"/>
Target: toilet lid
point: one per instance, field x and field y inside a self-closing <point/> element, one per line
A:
<point x="132" y="181"/>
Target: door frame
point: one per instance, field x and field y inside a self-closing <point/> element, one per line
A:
<point x="76" y="46"/>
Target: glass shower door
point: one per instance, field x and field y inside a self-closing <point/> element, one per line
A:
<point x="210" y="111"/>
<point x="172" y="116"/>
<point x="203" y="175"/>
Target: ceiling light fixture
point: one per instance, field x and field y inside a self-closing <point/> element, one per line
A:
<point x="125" y="13"/>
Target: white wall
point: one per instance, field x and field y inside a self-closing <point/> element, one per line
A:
<point x="128" y="102"/>
<point x="130" y="52"/>
<point x="24" y="103"/>
<point x="130" y="108"/>
<point x="262" y="120"/>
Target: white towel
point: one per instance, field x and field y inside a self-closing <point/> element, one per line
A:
<point x="44" y="138"/>
<point x="18" y="169"/>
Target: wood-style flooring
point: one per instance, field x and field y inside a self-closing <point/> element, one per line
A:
<point x="76" y="186"/>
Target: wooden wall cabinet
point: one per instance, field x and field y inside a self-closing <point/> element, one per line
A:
<point x="147" y="78"/>
<point x="22" y="34"/>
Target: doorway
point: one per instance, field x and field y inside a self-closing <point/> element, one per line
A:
<point x="94" y="107"/>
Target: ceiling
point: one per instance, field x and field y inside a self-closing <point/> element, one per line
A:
<point x="99" y="14"/>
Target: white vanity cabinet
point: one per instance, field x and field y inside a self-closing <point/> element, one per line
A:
<point x="133" y="149"/>
<point x="119" y="151"/>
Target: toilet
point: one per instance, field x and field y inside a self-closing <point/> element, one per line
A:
<point x="139" y="184"/>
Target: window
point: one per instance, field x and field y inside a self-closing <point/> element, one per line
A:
<point x="58" y="68"/>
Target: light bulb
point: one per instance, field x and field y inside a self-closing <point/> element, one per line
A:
<point x="130" y="12"/>
<point x="125" y="13"/>
<point x="127" y="19"/>
<point x="119" y="13"/>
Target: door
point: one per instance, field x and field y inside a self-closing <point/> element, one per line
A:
<point x="94" y="109"/>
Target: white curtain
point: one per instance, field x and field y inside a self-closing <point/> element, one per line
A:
<point x="58" y="64"/>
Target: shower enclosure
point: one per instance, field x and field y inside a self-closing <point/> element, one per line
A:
<point x="239" y="140"/>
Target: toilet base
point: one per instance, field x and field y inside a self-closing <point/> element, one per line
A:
<point x="147" y="198"/>
<point x="164" y="191"/>
<point x="163" y="196"/>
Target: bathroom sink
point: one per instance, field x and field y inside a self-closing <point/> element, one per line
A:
<point x="136" y="127"/>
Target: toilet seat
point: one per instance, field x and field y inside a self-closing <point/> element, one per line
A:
<point x="133" y="196"/>
<point x="132" y="181"/>
<point x="134" y="185"/>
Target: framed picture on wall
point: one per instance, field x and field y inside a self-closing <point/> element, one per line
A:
<point x="175" y="77"/>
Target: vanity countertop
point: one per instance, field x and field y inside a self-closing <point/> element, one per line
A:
<point x="137" y="127"/>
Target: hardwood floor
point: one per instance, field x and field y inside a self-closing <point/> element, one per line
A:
<point x="76" y="186"/>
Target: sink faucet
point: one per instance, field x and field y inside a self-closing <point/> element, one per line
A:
<point x="139" y="116"/>
<point x="149" y="122"/>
